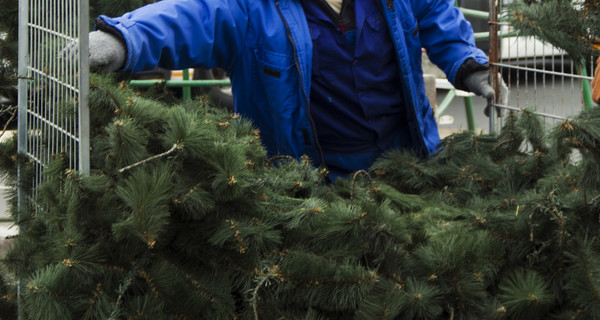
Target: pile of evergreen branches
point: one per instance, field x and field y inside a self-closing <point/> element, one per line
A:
<point x="183" y="217"/>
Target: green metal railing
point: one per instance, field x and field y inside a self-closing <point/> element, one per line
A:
<point x="587" y="90"/>
<point x="184" y="84"/>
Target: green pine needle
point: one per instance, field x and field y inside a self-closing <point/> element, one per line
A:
<point x="525" y="294"/>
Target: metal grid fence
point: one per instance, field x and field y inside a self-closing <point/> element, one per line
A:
<point x="540" y="76"/>
<point x="53" y="89"/>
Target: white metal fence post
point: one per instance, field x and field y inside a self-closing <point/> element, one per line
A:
<point x="53" y="88"/>
<point x="53" y="115"/>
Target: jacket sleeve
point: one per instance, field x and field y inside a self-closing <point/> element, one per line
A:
<point x="177" y="34"/>
<point x="446" y="35"/>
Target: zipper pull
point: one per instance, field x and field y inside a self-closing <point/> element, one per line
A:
<point x="390" y="4"/>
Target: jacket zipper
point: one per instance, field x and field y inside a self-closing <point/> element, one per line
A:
<point x="297" y="63"/>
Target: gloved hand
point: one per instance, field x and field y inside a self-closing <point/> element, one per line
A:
<point x="106" y="51"/>
<point x="479" y="83"/>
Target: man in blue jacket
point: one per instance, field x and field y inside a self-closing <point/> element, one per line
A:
<point x="337" y="80"/>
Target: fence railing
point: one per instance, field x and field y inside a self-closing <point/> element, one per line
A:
<point x="539" y="76"/>
<point x="53" y="115"/>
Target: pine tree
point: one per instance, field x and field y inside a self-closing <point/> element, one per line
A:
<point x="8" y="61"/>
<point x="183" y="217"/>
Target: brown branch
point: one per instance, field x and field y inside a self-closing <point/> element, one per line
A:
<point x="270" y="161"/>
<point x="366" y="174"/>
<point x="164" y="154"/>
<point x="12" y="117"/>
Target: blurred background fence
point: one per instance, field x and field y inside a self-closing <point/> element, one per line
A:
<point x="539" y="76"/>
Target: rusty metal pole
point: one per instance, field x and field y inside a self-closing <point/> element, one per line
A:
<point x="493" y="57"/>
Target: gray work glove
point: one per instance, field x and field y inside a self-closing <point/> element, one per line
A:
<point x="479" y="83"/>
<point x="106" y="51"/>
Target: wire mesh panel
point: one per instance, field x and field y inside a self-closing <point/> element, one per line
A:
<point x="53" y="87"/>
<point x="540" y="77"/>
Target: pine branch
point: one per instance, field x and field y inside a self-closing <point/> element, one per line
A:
<point x="127" y="281"/>
<point x="173" y="149"/>
<point x="525" y="295"/>
<point x="354" y="177"/>
<point x="272" y="273"/>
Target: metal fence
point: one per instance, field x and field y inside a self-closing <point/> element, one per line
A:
<point x="53" y="89"/>
<point x="540" y="76"/>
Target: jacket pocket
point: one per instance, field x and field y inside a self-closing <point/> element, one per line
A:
<point x="273" y="63"/>
<point x="325" y="58"/>
<point x="275" y="83"/>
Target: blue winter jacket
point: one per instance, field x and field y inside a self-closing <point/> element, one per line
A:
<point x="266" y="48"/>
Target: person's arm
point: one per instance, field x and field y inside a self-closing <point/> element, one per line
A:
<point x="450" y="43"/>
<point x="448" y="37"/>
<point x="177" y="34"/>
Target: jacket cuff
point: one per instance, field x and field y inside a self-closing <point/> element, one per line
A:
<point x="103" y="26"/>
<point x="469" y="67"/>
